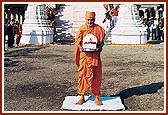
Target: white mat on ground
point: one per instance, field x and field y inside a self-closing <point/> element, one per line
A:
<point x="109" y="103"/>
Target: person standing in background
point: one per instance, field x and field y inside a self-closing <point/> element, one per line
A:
<point x="115" y="14"/>
<point x="6" y="30"/>
<point x="11" y="33"/>
<point x="17" y="33"/>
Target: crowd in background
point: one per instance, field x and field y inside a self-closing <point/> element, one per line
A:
<point x="12" y="32"/>
<point x="154" y="28"/>
<point x="13" y="29"/>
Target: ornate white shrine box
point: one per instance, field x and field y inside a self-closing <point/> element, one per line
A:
<point x="89" y="43"/>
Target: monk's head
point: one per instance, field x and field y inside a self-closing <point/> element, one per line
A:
<point x="90" y="18"/>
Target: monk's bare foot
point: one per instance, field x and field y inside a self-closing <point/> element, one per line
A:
<point x="97" y="101"/>
<point x="80" y="102"/>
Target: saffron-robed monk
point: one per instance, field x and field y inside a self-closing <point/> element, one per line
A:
<point x="89" y="63"/>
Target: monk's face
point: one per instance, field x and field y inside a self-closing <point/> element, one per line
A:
<point x="90" y="22"/>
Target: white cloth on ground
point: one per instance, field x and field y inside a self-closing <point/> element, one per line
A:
<point x="109" y="103"/>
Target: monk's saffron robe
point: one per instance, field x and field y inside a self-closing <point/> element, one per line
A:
<point x="89" y="63"/>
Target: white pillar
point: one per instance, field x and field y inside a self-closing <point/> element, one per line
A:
<point x="12" y="16"/>
<point x="21" y="19"/>
<point x="156" y="12"/>
<point x="128" y="29"/>
<point x="16" y="17"/>
<point x="145" y="13"/>
<point x="34" y="29"/>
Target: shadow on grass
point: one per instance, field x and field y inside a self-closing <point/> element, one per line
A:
<point x="155" y="41"/>
<point x="22" y="51"/>
<point x="140" y="90"/>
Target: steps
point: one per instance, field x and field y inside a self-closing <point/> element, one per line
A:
<point x="71" y="16"/>
<point x="128" y="29"/>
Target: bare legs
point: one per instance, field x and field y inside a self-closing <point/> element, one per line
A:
<point x="96" y="101"/>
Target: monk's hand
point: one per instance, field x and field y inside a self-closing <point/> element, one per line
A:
<point x="98" y="49"/>
<point x="80" y="47"/>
